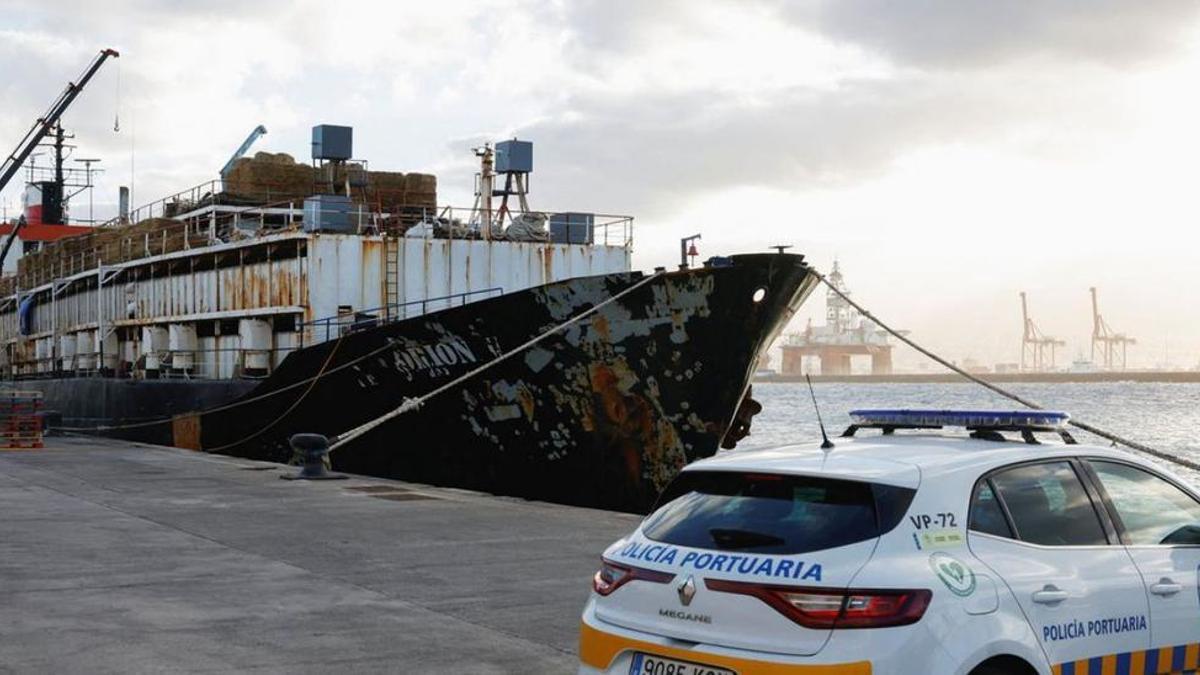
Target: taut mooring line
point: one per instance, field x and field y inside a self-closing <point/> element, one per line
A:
<point x="1108" y="435"/>
<point x="411" y="404"/>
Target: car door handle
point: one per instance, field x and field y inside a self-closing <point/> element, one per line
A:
<point x="1049" y="595"/>
<point x="1165" y="587"/>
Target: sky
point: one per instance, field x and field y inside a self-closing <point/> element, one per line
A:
<point x="947" y="153"/>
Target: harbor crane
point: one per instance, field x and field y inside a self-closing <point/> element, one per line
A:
<point x="1110" y="344"/>
<point x="1035" y="343"/>
<point x="43" y="126"/>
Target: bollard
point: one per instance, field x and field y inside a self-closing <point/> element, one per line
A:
<point x="51" y="421"/>
<point x="314" y="449"/>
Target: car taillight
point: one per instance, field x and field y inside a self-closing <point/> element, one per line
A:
<point x="825" y="608"/>
<point x="612" y="576"/>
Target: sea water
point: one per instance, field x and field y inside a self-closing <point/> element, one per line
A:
<point x="1164" y="416"/>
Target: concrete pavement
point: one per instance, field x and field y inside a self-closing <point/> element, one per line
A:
<point x="117" y="557"/>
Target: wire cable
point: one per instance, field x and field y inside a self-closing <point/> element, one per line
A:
<point x="1107" y="435"/>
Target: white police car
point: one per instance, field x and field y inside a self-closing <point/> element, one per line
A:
<point x="909" y="553"/>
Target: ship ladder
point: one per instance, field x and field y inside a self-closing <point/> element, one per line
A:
<point x="391" y="277"/>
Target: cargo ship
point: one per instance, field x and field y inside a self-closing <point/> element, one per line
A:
<point x="291" y="297"/>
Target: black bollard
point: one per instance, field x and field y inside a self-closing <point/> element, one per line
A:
<point x="51" y="420"/>
<point x="314" y="450"/>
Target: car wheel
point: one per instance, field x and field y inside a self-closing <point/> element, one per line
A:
<point x="1004" y="667"/>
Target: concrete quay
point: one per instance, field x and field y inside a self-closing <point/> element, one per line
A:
<point x="125" y="558"/>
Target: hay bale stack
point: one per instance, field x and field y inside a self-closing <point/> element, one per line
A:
<point x="411" y="194"/>
<point x="107" y="245"/>
<point x="420" y="189"/>
<point x="269" y="177"/>
<point x="385" y="189"/>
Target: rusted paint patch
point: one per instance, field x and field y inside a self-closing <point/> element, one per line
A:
<point x="603" y="414"/>
<point x="185" y="430"/>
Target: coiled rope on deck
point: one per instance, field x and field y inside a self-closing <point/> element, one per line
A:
<point x="411" y="404"/>
<point x="1108" y="435"/>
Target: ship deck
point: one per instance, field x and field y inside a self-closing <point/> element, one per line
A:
<point x="119" y="557"/>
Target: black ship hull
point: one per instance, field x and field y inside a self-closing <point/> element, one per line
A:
<point x="601" y="414"/>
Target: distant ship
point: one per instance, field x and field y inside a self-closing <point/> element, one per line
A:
<point x="294" y="297"/>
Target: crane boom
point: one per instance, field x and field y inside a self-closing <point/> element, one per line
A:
<point x="258" y="131"/>
<point x="42" y="127"/>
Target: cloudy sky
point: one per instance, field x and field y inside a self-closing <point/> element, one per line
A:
<point x="949" y="153"/>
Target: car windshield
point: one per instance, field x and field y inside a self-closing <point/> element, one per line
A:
<point x="772" y="513"/>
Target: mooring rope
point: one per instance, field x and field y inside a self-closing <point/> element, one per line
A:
<point x="411" y="404"/>
<point x="1108" y="435"/>
<point x="326" y="371"/>
<point x="295" y="404"/>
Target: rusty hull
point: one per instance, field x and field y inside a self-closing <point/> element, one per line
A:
<point x="603" y="414"/>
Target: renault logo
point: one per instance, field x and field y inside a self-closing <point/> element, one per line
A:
<point x="687" y="591"/>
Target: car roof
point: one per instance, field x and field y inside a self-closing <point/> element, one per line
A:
<point x="902" y="459"/>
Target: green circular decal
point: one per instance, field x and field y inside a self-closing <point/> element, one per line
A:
<point x="953" y="572"/>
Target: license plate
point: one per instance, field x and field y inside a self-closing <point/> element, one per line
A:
<point x="649" y="664"/>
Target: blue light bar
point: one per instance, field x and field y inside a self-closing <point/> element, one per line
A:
<point x="1031" y="419"/>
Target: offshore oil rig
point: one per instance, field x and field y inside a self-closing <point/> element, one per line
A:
<point x="846" y="334"/>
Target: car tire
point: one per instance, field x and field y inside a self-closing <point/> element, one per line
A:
<point x="1018" y="668"/>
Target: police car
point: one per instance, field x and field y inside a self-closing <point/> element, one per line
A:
<point x="910" y="552"/>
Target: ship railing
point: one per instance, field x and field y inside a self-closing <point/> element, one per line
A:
<point x="374" y="210"/>
<point x="563" y="227"/>
<point x="182" y="221"/>
<point x="232" y="217"/>
<point x="207" y="192"/>
<point x="330" y="327"/>
<point x="213" y="193"/>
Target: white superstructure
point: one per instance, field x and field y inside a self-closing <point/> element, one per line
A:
<point x="219" y="291"/>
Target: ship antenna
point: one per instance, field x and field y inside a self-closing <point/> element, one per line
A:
<point x="826" y="444"/>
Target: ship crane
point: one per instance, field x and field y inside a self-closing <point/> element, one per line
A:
<point x="1107" y="341"/>
<point x="245" y="146"/>
<point x="40" y="129"/>
<point x="1035" y="343"/>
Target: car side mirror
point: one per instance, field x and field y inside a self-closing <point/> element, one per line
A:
<point x="1188" y="534"/>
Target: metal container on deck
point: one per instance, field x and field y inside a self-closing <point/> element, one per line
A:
<point x="66" y="351"/>
<point x="153" y="344"/>
<point x="572" y="228"/>
<point x="85" y="345"/>
<point x="108" y="350"/>
<point x="181" y="340"/>
<point x="329" y="213"/>
<point x="255" y="336"/>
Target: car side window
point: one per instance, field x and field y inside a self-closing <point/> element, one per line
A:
<point x="986" y="514"/>
<point x="1153" y="510"/>
<point x="1049" y="505"/>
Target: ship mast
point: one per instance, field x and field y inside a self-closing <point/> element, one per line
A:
<point x="40" y="129"/>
